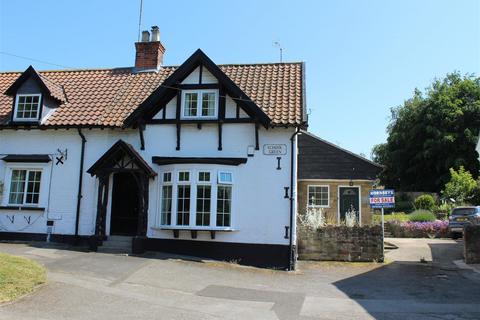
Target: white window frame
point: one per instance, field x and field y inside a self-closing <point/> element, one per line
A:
<point x="231" y="204"/>
<point x="39" y="107"/>
<point x="178" y="183"/>
<point x="308" y="196"/>
<point x="44" y="186"/>
<point x="194" y="182"/>
<point x="219" y="180"/>
<point x="199" y="103"/>
<point x="212" y="189"/>
<point x="169" y="184"/>
<point x="204" y="182"/>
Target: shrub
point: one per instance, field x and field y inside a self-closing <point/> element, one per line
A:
<point x="421" y="216"/>
<point x="425" y="202"/>
<point x="313" y="218"/>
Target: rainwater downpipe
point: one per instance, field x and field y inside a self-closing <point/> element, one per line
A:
<point x="291" y="265"/>
<point x="80" y="181"/>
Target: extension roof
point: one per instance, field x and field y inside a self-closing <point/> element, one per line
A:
<point x="320" y="159"/>
<point x="107" y="97"/>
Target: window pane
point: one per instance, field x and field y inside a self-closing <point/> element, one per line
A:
<point x="166" y="211"/>
<point x="208" y="104"/>
<point x="204" y="176"/>
<point x="190" y="104"/>
<point x="17" y="186"/>
<point x="225" y="177"/>
<point x="224" y="202"/>
<point x="183" y="205"/>
<point x="167" y="177"/>
<point x="204" y="195"/>
<point x="184" y="176"/>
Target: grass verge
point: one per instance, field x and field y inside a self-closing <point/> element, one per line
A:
<point x="18" y="276"/>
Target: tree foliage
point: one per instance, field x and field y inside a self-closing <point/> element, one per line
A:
<point x="461" y="186"/>
<point x="430" y="133"/>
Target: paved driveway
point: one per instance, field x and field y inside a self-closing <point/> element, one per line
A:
<point x="85" y="285"/>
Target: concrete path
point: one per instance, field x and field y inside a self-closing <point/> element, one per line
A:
<point x="85" y="285"/>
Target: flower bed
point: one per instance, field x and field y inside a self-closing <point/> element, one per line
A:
<point x="435" y="229"/>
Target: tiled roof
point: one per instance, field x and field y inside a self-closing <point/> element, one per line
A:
<point x="105" y="97"/>
<point x="55" y="89"/>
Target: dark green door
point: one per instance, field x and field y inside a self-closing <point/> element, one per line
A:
<point x="349" y="200"/>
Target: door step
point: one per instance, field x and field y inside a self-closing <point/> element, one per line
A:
<point x="116" y="244"/>
<point x="119" y="239"/>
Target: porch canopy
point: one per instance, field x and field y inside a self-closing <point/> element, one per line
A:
<point x="121" y="157"/>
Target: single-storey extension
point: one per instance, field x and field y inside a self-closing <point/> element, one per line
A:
<point x="334" y="179"/>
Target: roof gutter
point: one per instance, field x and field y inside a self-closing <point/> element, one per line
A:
<point x="80" y="180"/>
<point x="292" y="250"/>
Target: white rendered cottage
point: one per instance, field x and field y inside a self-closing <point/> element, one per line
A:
<point x="198" y="159"/>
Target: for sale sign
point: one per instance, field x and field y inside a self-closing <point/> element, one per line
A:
<point x="382" y="199"/>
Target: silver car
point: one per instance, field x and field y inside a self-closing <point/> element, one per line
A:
<point x="461" y="217"/>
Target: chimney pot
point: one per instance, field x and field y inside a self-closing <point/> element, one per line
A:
<point x="155" y="34"/>
<point x="145" y="36"/>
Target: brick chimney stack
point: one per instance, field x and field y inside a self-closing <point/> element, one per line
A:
<point x="149" y="52"/>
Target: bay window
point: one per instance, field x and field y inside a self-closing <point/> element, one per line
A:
<point x="196" y="198"/>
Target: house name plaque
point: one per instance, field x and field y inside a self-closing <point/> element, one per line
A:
<point x="274" y="149"/>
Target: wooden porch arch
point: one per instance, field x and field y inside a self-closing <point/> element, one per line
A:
<point x="121" y="157"/>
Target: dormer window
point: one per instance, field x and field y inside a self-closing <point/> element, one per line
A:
<point x="199" y="104"/>
<point x="27" y="107"/>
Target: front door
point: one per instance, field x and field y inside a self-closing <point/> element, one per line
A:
<point x="349" y="200"/>
<point x="125" y="197"/>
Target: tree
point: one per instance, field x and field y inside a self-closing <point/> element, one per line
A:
<point x="461" y="186"/>
<point x="431" y="133"/>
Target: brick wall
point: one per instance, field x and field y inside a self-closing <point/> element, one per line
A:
<point x="149" y="55"/>
<point x="471" y="238"/>
<point x="332" y="210"/>
<point x="340" y="243"/>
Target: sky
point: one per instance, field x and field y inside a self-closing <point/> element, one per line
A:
<point x="362" y="56"/>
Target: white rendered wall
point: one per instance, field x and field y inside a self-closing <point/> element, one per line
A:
<point x="259" y="210"/>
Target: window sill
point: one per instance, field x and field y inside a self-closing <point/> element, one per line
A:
<point x="25" y="122"/>
<point x="21" y="208"/>
<point x="214" y="118"/>
<point x="193" y="230"/>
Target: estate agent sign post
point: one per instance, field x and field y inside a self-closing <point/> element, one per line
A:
<point x="380" y="199"/>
